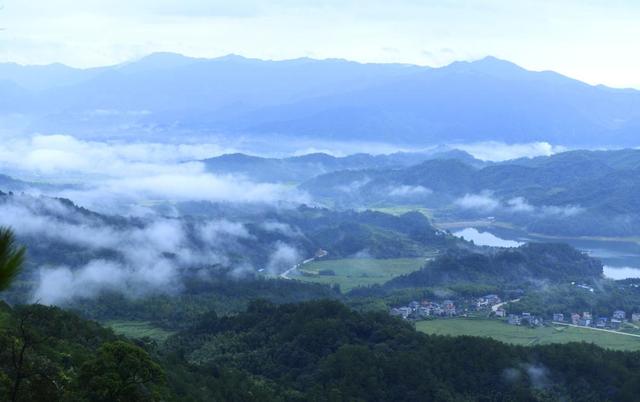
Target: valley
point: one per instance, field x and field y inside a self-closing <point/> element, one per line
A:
<point x="321" y="201"/>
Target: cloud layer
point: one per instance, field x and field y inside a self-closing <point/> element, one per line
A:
<point x="487" y="202"/>
<point x="117" y="177"/>
<point x="131" y="256"/>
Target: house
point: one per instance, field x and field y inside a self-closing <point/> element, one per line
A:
<point x="526" y="319"/>
<point x="615" y="323"/>
<point x="448" y="304"/>
<point x="488" y="300"/>
<point x="513" y="319"/>
<point x="493" y="299"/>
<point x="619" y="315"/>
<point x="587" y="315"/>
<point x="482" y="302"/>
<point x="584" y="322"/>
<point x="575" y="317"/>
<point x="635" y="317"/>
<point x="501" y="312"/>
<point x="424" y="311"/>
<point x="448" y="308"/>
<point x="414" y="305"/>
<point x="558" y="317"/>
<point x="601" y="322"/>
<point x="405" y="311"/>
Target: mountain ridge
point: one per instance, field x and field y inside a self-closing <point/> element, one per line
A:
<point x="485" y="100"/>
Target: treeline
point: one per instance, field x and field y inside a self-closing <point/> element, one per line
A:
<point x="324" y="351"/>
<point x="198" y="295"/>
<point x="319" y="350"/>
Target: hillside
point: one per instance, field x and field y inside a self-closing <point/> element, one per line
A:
<point x="322" y="351"/>
<point x="578" y="193"/>
<point x="515" y="267"/>
<point x="304" y="167"/>
<point x="309" y="351"/>
<point x="96" y="252"/>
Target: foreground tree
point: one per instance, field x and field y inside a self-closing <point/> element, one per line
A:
<point x="121" y="372"/>
<point x="12" y="258"/>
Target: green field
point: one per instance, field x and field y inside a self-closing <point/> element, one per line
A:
<point x="403" y="209"/>
<point x="354" y="272"/>
<point x="527" y="336"/>
<point x="138" y="329"/>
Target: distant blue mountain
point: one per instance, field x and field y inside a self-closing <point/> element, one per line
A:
<point x="305" y="167"/>
<point x="489" y="99"/>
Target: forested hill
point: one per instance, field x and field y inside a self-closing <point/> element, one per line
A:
<point x="576" y="177"/>
<point x="319" y="351"/>
<point x="323" y="351"/>
<point x="305" y="167"/>
<point x="209" y="238"/>
<point x="516" y="266"/>
<point x="577" y="193"/>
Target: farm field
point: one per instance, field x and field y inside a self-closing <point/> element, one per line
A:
<point x="138" y="329"/>
<point x="353" y="272"/>
<point x="403" y="209"/>
<point x="503" y="332"/>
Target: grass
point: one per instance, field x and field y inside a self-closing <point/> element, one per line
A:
<point x="138" y="329"/>
<point x="354" y="272"/>
<point x="503" y="332"/>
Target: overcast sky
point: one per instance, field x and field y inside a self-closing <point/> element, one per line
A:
<point x="593" y="40"/>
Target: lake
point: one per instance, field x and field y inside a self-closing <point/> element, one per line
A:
<point x="621" y="259"/>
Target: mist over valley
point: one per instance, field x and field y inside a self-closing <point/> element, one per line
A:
<point x="408" y="201"/>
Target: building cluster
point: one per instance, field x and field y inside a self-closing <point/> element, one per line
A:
<point x="525" y="319"/>
<point x="487" y="301"/>
<point x="491" y="302"/>
<point x="586" y="319"/>
<point x="421" y="310"/>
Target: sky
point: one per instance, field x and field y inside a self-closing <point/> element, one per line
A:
<point x="595" y="41"/>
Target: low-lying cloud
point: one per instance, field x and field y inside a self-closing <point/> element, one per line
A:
<point x="409" y="191"/>
<point x="282" y="258"/>
<point x="131" y="256"/>
<point x="498" y="151"/>
<point x="483" y="202"/>
<point x="115" y="177"/>
<point x="487" y="202"/>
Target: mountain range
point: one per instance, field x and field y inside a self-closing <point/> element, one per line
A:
<point x="167" y="94"/>
<point x="576" y="193"/>
<point x="305" y="167"/>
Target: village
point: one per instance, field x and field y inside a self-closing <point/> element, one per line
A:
<point x="493" y="307"/>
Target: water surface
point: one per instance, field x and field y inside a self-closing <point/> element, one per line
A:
<point x="621" y="259"/>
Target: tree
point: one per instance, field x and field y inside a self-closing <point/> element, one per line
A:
<point x="121" y="372"/>
<point x="12" y="257"/>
